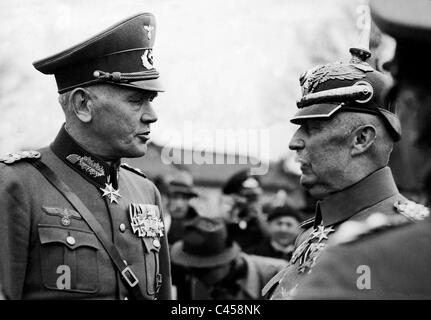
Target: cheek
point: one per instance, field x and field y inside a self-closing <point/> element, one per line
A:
<point x="329" y="159"/>
<point x="272" y="228"/>
<point x="121" y="125"/>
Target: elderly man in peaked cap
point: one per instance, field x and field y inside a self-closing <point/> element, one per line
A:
<point x="356" y="267"/>
<point x="76" y="222"/>
<point x="346" y="134"/>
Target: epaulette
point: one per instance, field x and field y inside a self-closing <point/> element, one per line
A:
<point x="351" y="231"/>
<point x="270" y="285"/>
<point x="307" y="223"/>
<point x="134" y="170"/>
<point x="412" y="210"/>
<point x="10" y="158"/>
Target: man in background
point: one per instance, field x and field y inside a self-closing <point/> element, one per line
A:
<point x="180" y="192"/>
<point x="245" y="219"/>
<point x="215" y="266"/>
<point x="283" y="227"/>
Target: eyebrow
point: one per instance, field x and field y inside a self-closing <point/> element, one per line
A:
<point x="142" y="94"/>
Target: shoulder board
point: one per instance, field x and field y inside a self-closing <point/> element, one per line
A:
<point x="412" y="210"/>
<point x="307" y="223"/>
<point x="134" y="170"/>
<point x="270" y="285"/>
<point x="351" y="231"/>
<point x="10" y="158"/>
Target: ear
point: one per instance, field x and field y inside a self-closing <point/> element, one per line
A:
<point x="363" y="139"/>
<point x="82" y="104"/>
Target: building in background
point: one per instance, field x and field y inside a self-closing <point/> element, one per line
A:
<point x="280" y="185"/>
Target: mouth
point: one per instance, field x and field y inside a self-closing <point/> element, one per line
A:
<point x="145" y="136"/>
<point x="304" y="168"/>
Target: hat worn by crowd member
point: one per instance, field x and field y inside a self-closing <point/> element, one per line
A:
<point x="205" y="244"/>
<point x="121" y="55"/>
<point x="354" y="87"/>
<point x="182" y="186"/>
<point x="243" y="183"/>
<point x="283" y="211"/>
<point x="410" y="24"/>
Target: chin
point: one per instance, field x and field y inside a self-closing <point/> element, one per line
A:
<point x="318" y="193"/>
<point x="136" y="152"/>
<point x="307" y="181"/>
<point x="283" y="242"/>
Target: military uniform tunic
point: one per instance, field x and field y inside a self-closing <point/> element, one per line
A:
<point x="49" y="252"/>
<point x="375" y="193"/>
<point x="397" y="259"/>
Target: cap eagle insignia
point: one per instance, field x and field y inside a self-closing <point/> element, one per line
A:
<point x="149" y="29"/>
<point x="310" y="79"/>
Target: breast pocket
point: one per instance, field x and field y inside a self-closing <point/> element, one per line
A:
<point x="152" y="268"/>
<point x="69" y="259"/>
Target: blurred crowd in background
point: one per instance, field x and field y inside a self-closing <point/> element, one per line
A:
<point x="233" y="253"/>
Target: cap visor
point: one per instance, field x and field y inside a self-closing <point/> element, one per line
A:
<point x="183" y="190"/>
<point x="149" y="85"/>
<point x="315" y="111"/>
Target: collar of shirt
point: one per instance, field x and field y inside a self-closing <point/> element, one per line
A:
<point x="344" y="204"/>
<point x="89" y="166"/>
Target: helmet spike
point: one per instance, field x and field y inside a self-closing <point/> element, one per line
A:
<point x="361" y="52"/>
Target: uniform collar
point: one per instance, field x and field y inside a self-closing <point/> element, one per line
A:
<point x="89" y="166"/>
<point x="344" y="204"/>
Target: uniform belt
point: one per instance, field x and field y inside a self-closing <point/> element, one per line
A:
<point x="127" y="274"/>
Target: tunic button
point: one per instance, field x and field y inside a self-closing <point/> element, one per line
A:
<point x="156" y="243"/>
<point x="70" y="240"/>
<point x="122" y="227"/>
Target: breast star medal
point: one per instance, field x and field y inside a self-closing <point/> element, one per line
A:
<point x="111" y="193"/>
<point x="308" y="251"/>
<point x="321" y="233"/>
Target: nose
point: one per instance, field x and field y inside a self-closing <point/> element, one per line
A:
<point x="149" y="115"/>
<point x="297" y="142"/>
<point x="285" y="228"/>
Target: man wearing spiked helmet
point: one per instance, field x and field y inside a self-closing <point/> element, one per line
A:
<point x="343" y="144"/>
<point x="384" y="257"/>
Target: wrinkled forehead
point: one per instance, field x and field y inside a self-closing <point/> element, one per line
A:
<point x="113" y="90"/>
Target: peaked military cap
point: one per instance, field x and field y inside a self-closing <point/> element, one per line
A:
<point x="243" y="183"/>
<point x="182" y="186"/>
<point x="120" y="55"/>
<point x="354" y="86"/>
<point x="283" y="211"/>
<point x="409" y="22"/>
